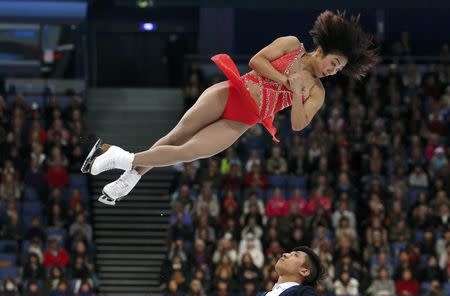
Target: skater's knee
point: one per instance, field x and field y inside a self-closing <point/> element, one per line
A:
<point x="169" y="139"/>
<point x="188" y="153"/>
<point x="174" y="139"/>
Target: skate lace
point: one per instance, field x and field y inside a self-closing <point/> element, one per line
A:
<point x="121" y="184"/>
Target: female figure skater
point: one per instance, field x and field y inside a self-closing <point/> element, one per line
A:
<point x="283" y="75"/>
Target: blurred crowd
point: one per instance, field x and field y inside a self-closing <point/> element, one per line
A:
<point x="46" y="243"/>
<point x="366" y="185"/>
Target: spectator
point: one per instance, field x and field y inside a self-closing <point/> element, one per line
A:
<point x="10" y="287"/>
<point x="382" y="261"/>
<point x="439" y="162"/>
<point x="33" y="289"/>
<point x="276" y="164"/>
<point x="435" y="289"/>
<point x="225" y="248"/>
<point x="183" y="195"/>
<point x="346" y="285"/>
<point x="80" y="269"/>
<point x="204" y="230"/>
<point x="250" y="288"/>
<point x="343" y="211"/>
<point x="277" y="206"/>
<point x="33" y="269"/>
<point x="196" y="289"/>
<point x="418" y="178"/>
<point x="9" y="188"/>
<point x="318" y="199"/>
<point x="255" y="179"/>
<point x="56" y="275"/>
<point x="248" y="272"/>
<point x="321" y="239"/>
<point x="254" y="158"/>
<point x="208" y="200"/>
<point x="85" y="289"/>
<point x="172" y="289"/>
<point x="407" y="285"/>
<point x="297" y="202"/>
<point x="35" y="177"/>
<point x="254" y="200"/>
<point x="76" y="158"/>
<point x="253" y="247"/>
<point x="177" y="252"/>
<point x="252" y="227"/>
<point x="200" y="255"/>
<point x="62" y="289"/>
<point x="37" y="152"/>
<point x="75" y="198"/>
<point x="431" y="271"/>
<point x="81" y="225"/>
<point x="35" y="230"/>
<point x="344" y="230"/>
<point x="55" y="256"/>
<point x="178" y="214"/>
<point x="57" y="174"/>
<point x="229" y="159"/>
<point x="211" y="174"/>
<point x="232" y="180"/>
<point x="57" y="218"/>
<point x="383" y="286"/>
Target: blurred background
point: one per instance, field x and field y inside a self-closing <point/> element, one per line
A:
<point x="366" y="185"/>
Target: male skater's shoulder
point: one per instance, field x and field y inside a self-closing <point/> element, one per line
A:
<point x="300" y="291"/>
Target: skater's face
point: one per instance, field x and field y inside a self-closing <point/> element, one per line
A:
<point x="329" y="64"/>
<point x="293" y="264"/>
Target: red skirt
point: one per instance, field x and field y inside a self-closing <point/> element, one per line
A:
<point x="240" y="107"/>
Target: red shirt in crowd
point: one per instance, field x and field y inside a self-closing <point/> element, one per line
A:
<point x="407" y="287"/>
<point x="59" y="258"/>
<point x="57" y="176"/>
<point x="299" y="204"/>
<point x="255" y="180"/>
<point x="277" y="207"/>
<point x="323" y="201"/>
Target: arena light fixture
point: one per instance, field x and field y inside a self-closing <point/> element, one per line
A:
<point x="148" y="26"/>
<point x="144" y="3"/>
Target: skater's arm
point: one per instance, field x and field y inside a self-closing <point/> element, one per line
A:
<point x="260" y="62"/>
<point x="307" y="99"/>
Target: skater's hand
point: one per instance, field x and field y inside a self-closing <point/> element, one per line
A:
<point x="301" y="83"/>
<point x="286" y="83"/>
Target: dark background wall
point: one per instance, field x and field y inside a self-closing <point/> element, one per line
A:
<point x="118" y="41"/>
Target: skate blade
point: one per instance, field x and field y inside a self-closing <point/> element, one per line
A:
<point x="86" y="167"/>
<point x="107" y="200"/>
<point x="104" y="198"/>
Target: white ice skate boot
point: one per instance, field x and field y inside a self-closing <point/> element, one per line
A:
<point x="120" y="188"/>
<point x="104" y="157"/>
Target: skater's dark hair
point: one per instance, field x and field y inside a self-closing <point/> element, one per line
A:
<point x="337" y="35"/>
<point x="316" y="270"/>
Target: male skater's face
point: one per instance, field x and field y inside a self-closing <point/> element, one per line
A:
<point x="292" y="264"/>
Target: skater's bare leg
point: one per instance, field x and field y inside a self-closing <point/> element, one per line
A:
<point x="207" y="109"/>
<point x="208" y="142"/>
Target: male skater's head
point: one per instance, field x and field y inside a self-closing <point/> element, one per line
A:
<point x="301" y="265"/>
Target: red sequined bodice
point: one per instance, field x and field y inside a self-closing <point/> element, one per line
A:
<point x="273" y="96"/>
